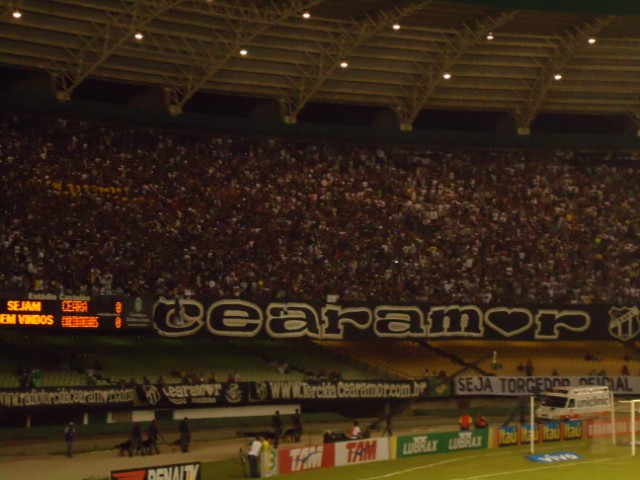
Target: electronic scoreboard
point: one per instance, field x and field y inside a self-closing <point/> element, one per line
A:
<point x="73" y="312"/>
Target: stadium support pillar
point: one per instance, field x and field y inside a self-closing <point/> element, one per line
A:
<point x="63" y="95"/>
<point x="524" y="131"/>
<point x="406" y="127"/>
<point x="289" y="109"/>
<point x="175" y="110"/>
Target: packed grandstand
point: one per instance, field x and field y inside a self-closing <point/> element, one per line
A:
<point x="100" y="209"/>
<point x="165" y="268"/>
<point x="103" y="208"/>
<point x="100" y="212"/>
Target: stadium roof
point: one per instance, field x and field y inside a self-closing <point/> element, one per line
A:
<point x="520" y="57"/>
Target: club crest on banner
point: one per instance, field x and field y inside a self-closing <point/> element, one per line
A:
<point x="152" y="394"/>
<point x="261" y="391"/>
<point x="233" y="393"/>
<point x="624" y="322"/>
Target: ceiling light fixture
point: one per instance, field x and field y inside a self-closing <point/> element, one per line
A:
<point x="591" y="40"/>
<point x="344" y="64"/>
<point x="243" y="52"/>
<point x="139" y="35"/>
<point x="490" y="36"/>
<point x="396" y="26"/>
<point x="17" y="14"/>
<point x="557" y="76"/>
<point x="446" y="75"/>
<point x="306" y="15"/>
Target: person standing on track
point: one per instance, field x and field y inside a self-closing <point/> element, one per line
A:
<point x="136" y="440"/>
<point x="481" y="422"/>
<point x="185" y="435"/>
<point x="153" y="433"/>
<point x="69" y="435"/>
<point x="355" y="431"/>
<point x="297" y="425"/>
<point x="276" y="425"/>
<point x="465" y="422"/>
<point x="254" y="455"/>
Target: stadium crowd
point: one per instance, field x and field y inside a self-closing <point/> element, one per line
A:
<point x="98" y="208"/>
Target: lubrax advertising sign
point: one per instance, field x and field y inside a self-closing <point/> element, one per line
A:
<point x="441" y="442"/>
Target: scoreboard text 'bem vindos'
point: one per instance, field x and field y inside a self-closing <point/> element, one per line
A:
<point x="60" y="312"/>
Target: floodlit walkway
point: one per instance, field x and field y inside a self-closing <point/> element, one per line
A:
<point x="96" y="457"/>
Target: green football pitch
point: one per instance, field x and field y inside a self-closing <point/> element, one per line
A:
<point x="598" y="460"/>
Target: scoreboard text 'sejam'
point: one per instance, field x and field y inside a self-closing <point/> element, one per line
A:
<point x="62" y="312"/>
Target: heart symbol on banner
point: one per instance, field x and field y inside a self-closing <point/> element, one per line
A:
<point x="509" y="322"/>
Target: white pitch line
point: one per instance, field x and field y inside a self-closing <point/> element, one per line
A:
<point x="488" y="475"/>
<point x="424" y="467"/>
<point x="499" y="474"/>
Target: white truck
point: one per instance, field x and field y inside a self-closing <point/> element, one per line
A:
<point x="573" y="403"/>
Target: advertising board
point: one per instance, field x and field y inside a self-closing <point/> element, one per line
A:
<point x="181" y="471"/>
<point x="441" y="442"/>
<point x="361" y="451"/>
<point x="307" y="457"/>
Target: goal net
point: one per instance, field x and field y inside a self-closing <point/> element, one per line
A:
<point x="621" y="427"/>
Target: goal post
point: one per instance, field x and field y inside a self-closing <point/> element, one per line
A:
<point x="628" y="414"/>
<point x="621" y="428"/>
<point x="532" y="422"/>
<point x="612" y="412"/>
<point x="633" y="424"/>
<point x="605" y="419"/>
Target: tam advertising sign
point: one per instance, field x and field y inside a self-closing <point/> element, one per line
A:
<point x="304" y="458"/>
<point x="182" y="471"/>
<point x="361" y="451"/>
